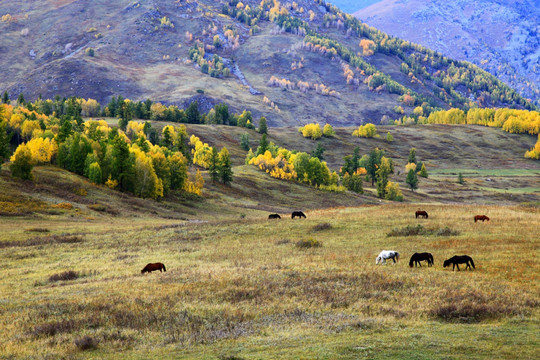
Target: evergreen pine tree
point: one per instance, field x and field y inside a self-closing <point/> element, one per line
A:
<point x="225" y="167"/>
<point x="244" y="141"/>
<point x="5" y="98"/>
<point x="20" y="99"/>
<point x="412" y="180"/>
<point x="319" y="151"/>
<point x="461" y="180"/>
<point x="214" y="165"/>
<point x="263" y="145"/>
<point x="192" y="112"/>
<point x="263" y="129"/>
<point x="4" y="140"/>
<point x="412" y="155"/>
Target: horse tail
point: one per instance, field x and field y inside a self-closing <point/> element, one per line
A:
<point x="472" y="262"/>
<point x="164" y="267"/>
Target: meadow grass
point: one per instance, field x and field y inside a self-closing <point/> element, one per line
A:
<point x="242" y="288"/>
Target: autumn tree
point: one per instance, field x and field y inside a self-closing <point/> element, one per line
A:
<point x="353" y="182"/>
<point x="389" y="137"/>
<point x="328" y="130"/>
<point x="22" y="163"/>
<point x="225" y="167"/>
<point x="382" y="173"/>
<point x="423" y="172"/>
<point x="393" y="192"/>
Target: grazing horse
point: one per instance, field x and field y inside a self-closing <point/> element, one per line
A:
<point x="421" y="213"/>
<point x="274" y="216"/>
<point x="416" y="258"/>
<point x="298" y="214"/>
<point x="387" y="254"/>
<point x="463" y="259"/>
<point x="153" y="267"/>
<point x="480" y="217"/>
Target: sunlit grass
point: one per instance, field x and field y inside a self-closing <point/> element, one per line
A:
<point x="243" y="288"/>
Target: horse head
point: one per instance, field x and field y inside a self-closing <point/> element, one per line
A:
<point x="446" y="263"/>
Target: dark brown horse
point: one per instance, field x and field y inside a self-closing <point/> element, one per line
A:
<point x="274" y="216"/>
<point x="298" y="214"/>
<point x="153" y="267"/>
<point x="417" y="257"/>
<point x="480" y="218"/>
<point x="421" y="213"/>
<point x="456" y="260"/>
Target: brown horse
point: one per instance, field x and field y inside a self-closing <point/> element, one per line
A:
<point x="421" y="213"/>
<point x="153" y="267"/>
<point x="480" y="218"/>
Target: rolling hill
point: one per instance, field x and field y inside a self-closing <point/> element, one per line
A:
<point x="290" y="63"/>
<point x="499" y="36"/>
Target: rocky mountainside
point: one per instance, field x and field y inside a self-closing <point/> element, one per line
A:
<point x="291" y="62"/>
<point x="501" y="36"/>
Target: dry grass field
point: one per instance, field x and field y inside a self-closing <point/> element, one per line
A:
<point x="245" y="289"/>
<point x="239" y="286"/>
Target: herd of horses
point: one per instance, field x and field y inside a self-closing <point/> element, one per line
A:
<point x="415" y="261"/>
<point x="419" y="257"/>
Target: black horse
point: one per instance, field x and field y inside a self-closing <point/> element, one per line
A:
<point x="463" y="259"/>
<point x="298" y="214"/>
<point x="153" y="267"/>
<point x="274" y="216"/>
<point x="416" y="258"/>
<point x="421" y="213"/>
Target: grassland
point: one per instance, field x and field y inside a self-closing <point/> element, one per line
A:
<point x="237" y="285"/>
<point x="243" y="289"/>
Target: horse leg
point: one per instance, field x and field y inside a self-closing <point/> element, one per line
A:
<point x="457" y="265"/>
<point x="454" y="266"/>
<point x="394" y="259"/>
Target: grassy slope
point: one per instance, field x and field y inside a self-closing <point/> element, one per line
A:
<point x="239" y="288"/>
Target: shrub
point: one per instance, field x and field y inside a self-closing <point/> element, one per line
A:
<point x="322" y="227"/>
<point x="414" y="230"/>
<point x="367" y="131"/>
<point x="90" y="52"/>
<point x="446" y="232"/>
<point x="86" y="343"/>
<point x="53" y="328"/>
<point x="312" y="131"/>
<point x="308" y="243"/>
<point x="283" y="242"/>
<point x="64" y="276"/>
<point x="66" y="206"/>
<point x="328" y="130"/>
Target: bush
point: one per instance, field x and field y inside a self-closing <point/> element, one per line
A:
<point x="312" y="131"/>
<point x="367" y="131"/>
<point x="90" y="52"/>
<point x="86" y="343"/>
<point x="64" y="276"/>
<point x="322" y="227"/>
<point x="328" y="130"/>
<point x="308" y="243"/>
<point x="53" y="328"/>
<point x="412" y="230"/>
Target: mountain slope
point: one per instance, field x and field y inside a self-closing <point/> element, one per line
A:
<point x="291" y="63"/>
<point x="500" y="36"/>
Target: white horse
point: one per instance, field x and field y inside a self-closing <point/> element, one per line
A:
<point x="387" y="254"/>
